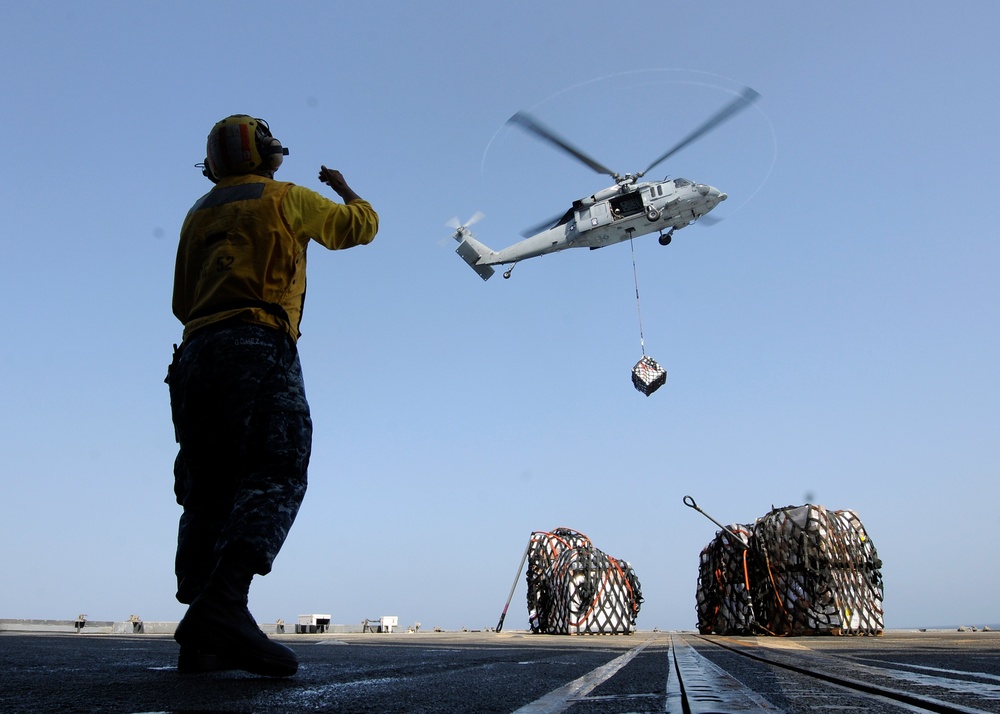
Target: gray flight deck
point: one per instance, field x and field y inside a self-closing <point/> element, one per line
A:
<point x="100" y="670"/>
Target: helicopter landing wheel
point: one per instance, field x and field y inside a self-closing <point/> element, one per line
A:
<point x="665" y="239"/>
<point x="506" y="275"/>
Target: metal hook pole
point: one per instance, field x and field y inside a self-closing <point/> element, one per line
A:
<point x="690" y="503"/>
<point x="517" y="577"/>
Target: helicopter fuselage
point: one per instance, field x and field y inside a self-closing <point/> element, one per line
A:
<point x="626" y="210"/>
<point x="614" y="215"/>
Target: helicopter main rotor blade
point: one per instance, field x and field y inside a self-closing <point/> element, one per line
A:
<point x="539" y="227"/>
<point x="542" y="131"/>
<point x="747" y="97"/>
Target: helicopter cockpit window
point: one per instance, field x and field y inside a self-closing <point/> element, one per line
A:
<point x="680" y="182"/>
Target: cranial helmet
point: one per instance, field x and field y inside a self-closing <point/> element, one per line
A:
<point x="241" y="144"/>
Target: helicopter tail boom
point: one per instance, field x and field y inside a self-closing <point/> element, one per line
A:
<point x="473" y="252"/>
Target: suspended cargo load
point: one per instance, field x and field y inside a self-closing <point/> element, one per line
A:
<point x="575" y="588"/>
<point x="648" y="375"/>
<point x="725" y="596"/>
<point x="817" y="573"/>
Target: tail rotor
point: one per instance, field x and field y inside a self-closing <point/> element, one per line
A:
<point x="461" y="229"/>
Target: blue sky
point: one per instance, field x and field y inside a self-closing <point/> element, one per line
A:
<point x="834" y="339"/>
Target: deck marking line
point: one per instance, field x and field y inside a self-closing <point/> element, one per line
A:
<point x="559" y="699"/>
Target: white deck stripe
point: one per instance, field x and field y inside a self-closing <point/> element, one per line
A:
<point x="559" y="699"/>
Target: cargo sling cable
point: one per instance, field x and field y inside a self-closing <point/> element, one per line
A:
<point x="638" y="306"/>
<point x="647" y="375"/>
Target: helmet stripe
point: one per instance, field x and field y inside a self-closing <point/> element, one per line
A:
<point x="245" y="142"/>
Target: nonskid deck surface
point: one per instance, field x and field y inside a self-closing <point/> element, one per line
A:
<point x="941" y="671"/>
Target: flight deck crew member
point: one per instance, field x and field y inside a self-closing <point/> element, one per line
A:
<point x="239" y="408"/>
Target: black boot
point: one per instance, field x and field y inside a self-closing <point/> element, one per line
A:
<point x="192" y="660"/>
<point x="218" y="623"/>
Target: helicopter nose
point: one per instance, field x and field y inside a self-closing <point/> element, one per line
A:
<point x="711" y="192"/>
<point x="715" y="193"/>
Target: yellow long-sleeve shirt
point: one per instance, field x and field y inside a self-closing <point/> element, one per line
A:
<point x="242" y="250"/>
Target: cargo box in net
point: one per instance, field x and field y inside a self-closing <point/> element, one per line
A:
<point x="544" y="548"/>
<point x="648" y="376"/>
<point x="819" y="573"/>
<point x="591" y="593"/>
<point x="575" y="588"/>
<point x="805" y="570"/>
<point x="725" y="597"/>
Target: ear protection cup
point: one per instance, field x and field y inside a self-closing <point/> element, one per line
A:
<point x="272" y="152"/>
<point x="207" y="172"/>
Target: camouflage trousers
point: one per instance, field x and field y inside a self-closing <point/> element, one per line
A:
<point x="242" y="422"/>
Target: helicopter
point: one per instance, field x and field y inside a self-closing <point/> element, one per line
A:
<point x="612" y="215"/>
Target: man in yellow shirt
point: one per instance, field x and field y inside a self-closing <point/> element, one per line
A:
<point x="237" y="398"/>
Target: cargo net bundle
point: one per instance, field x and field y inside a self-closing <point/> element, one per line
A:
<point x="575" y="588"/>
<point x="725" y="598"/>
<point x="648" y="375"/>
<point x="808" y="571"/>
<point x="820" y="573"/>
